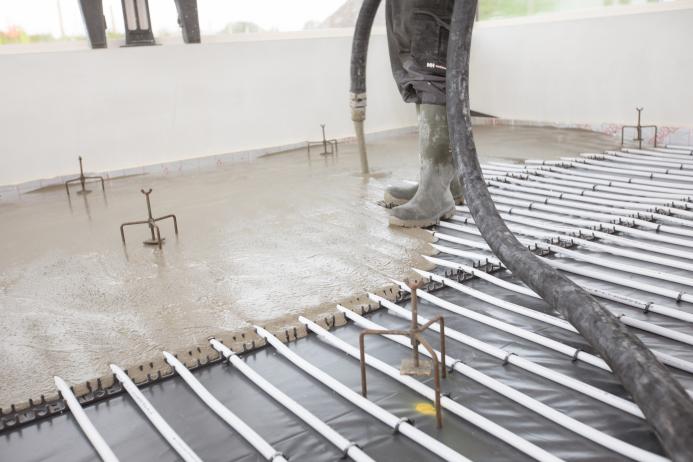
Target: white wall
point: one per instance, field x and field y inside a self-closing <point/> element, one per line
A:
<point x="589" y="69"/>
<point x="129" y="107"/>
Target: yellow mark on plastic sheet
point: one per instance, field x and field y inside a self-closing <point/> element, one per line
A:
<point x="425" y="409"/>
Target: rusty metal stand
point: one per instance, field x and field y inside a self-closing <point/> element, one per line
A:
<point x="82" y="180"/>
<point x="326" y="144"/>
<point x="414" y="366"/>
<point x="638" y="128"/>
<point x="156" y="238"/>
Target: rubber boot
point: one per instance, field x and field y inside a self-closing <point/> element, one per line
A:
<point x="398" y="195"/>
<point x="433" y="199"/>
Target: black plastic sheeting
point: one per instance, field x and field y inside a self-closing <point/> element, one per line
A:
<point x="131" y="436"/>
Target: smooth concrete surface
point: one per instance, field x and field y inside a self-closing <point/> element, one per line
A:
<point x="260" y="242"/>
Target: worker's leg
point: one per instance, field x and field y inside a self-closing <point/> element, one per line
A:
<point x="433" y="199"/>
<point x="417" y="40"/>
<point x="401" y="194"/>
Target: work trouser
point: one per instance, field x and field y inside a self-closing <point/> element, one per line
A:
<point x="417" y="35"/>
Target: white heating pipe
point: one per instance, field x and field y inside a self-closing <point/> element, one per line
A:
<point x="102" y="449"/>
<point x="446" y="403"/>
<point x="596" y="260"/>
<point x="347" y="447"/>
<point x="231" y="419"/>
<point x="590" y="165"/>
<point x="580" y="232"/>
<point x="646" y="307"/>
<point x="594" y="229"/>
<point x="483" y="275"/>
<point x="611" y="180"/>
<point x="531" y="179"/>
<point x="589" y="272"/>
<point x="680" y="147"/>
<point x="540" y="179"/>
<point x="625" y="319"/>
<point x="601" y="438"/>
<point x="516" y="360"/>
<point x="551" y="344"/>
<point x="616" y="221"/>
<point x="672" y="174"/>
<point x="659" y="212"/>
<point x="591" y="208"/>
<point x="503" y="304"/>
<point x="684" y="159"/>
<point x="400" y="425"/>
<point x="576" y="237"/>
<point x="681" y="151"/>
<point x="641" y="183"/>
<point x="169" y="434"/>
<point x="663" y="357"/>
<point x="617" y="200"/>
<point x="638" y="160"/>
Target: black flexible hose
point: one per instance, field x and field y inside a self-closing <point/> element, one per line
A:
<point x="665" y="403"/>
<point x="359" y="46"/>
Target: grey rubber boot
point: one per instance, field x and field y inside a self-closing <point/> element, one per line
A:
<point x="433" y="199"/>
<point x="398" y="195"/>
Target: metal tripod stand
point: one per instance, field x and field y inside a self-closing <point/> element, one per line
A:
<point x="329" y="147"/>
<point x="156" y="238"/>
<point x="638" y="128"/>
<point x="414" y="366"/>
<point x="82" y="180"/>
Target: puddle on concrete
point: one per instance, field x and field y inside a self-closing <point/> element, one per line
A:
<point x="259" y="242"/>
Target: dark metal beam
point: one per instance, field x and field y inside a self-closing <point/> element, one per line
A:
<point x="138" y="24"/>
<point x="94" y="21"/>
<point x="188" y="20"/>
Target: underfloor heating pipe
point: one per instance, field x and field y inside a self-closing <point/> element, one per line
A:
<point x="98" y="443"/>
<point x="672" y="223"/>
<point x="231" y="419"/>
<point x="589" y="272"/>
<point x="446" y="403"/>
<point x="680" y="147"/>
<point x="512" y="358"/>
<point x="169" y="434"/>
<point x="399" y="425"/>
<point x="591" y="258"/>
<point x="606" y="167"/>
<point x="347" y="447"/>
<point x="650" y="203"/>
<point x="620" y="180"/>
<point x="665" y="358"/>
<point x="588" y="187"/>
<point x="627" y="320"/>
<point x="590" y="433"/>
<point x="573" y="353"/>
<point x="658" y="212"/>
<point x="684" y="160"/>
<point x="585" y="239"/>
<point x="655" y="164"/>
<point x="646" y="307"/>
<point x="549" y="205"/>
<point x="591" y="230"/>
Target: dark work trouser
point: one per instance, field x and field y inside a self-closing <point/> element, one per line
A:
<point x="417" y="35"/>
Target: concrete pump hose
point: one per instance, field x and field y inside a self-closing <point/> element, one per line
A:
<point x="666" y="405"/>
<point x="359" y="56"/>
